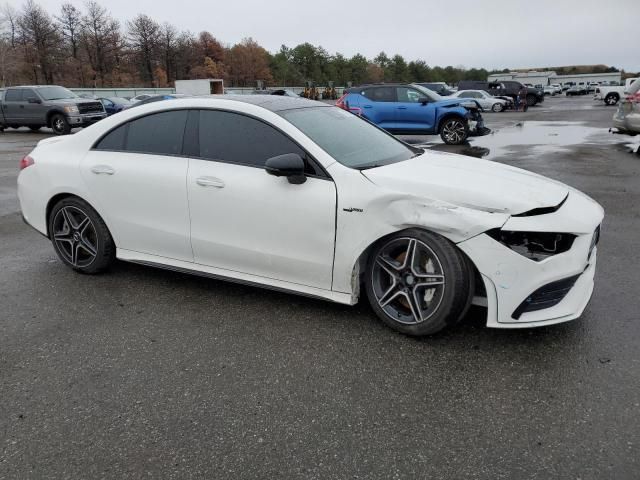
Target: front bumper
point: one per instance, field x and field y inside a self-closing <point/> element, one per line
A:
<point x="86" y="119"/>
<point x="510" y="279"/>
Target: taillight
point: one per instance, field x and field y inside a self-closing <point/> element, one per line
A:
<point x="26" y="161"/>
<point x="341" y="102"/>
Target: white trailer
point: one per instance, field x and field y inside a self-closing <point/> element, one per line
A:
<point x="205" y="86"/>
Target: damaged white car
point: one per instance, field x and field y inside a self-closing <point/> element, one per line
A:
<point x="301" y="196"/>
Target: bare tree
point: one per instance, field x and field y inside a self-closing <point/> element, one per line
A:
<point x="100" y="37"/>
<point x="168" y="49"/>
<point x="144" y="41"/>
<point x="39" y="38"/>
<point x="70" y="21"/>
<point x="10" y="22"/>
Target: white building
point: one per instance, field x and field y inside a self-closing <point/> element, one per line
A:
<point x="549" y="77"/>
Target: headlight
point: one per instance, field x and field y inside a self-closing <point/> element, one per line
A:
<point x="535" y="246"/>
<point x="469" y="104"/>
<point x="72" y="109"/>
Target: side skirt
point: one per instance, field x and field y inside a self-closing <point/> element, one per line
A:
<point x="232" y="276"/>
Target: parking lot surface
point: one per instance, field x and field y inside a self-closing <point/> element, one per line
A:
<point x="149" y="373"/>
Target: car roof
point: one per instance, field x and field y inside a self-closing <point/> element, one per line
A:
<point x="275" y="103"/>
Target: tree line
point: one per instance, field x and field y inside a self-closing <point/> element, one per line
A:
<point x="88" y="47"/>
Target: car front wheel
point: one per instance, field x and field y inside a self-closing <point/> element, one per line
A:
<point x="454" y="131"/>
<point x="59" y="125"/>
<point x="418" y="282"/>
<point x="80" y="237"/>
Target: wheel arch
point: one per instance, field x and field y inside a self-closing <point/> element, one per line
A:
<point x="50" y="115"/>
<point x="358" y="268"/>
<point x="447" y="116"/>
<point x="61" y="196"/>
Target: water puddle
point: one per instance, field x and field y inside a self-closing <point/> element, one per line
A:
<point x="536" y="137"/>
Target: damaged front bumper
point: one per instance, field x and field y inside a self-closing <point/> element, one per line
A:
<point x="476" y="124"/>
<point x="521" y="292"/>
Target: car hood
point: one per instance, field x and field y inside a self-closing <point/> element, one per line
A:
<point x="470" y="182"/>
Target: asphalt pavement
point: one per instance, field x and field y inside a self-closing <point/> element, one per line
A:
<point x="148" y="373"/>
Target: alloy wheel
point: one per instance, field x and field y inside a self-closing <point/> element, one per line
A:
<point x="454" y="131"/>
<point x="408" y="280"/>
<point x="58" y="125"/>
<point x="75" y="236"/>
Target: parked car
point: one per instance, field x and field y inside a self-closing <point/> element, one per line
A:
<point x="154" y="98"/>
<point x="38" y="106"/>
<point x="591" y="87"/>
<point x="612" y="94"/>
<point x="484" y="99"/>
<point x="509" y="88"/>
<point x="549" y="90"/>
<point x="440" y="88"/>
<point x="412" y="109"/>
<point x="142" y="96"/>
<point x="576" y="90"/>
<point x="283" y="92"/>
<point x="557" y="87"/>
<point x="114" y="104"/>
<point x="304" y="197"/>
<point x="627" y="118"/>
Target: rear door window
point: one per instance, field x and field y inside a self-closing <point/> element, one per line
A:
<point x="159" y="133"/>
<point x="13" y="95"/>
<point x="381" y="94"/>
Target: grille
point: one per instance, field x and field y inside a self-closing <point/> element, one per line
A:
<point x="93" y="107"/>
<point x="546" y="296"/>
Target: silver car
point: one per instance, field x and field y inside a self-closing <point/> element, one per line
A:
<point x="485" y="99"/>
<point x="627" y="117"/>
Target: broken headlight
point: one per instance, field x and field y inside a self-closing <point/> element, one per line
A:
<point x="534" y="245"/>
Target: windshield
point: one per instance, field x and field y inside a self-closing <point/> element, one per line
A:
<point x="429" y="93"/>
<point x="55" y="93"/>
<point x="349" y="139"/>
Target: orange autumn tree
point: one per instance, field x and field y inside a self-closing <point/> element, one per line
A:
<point x="247" y="62"/>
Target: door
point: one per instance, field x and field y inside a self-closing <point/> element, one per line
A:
<point x="378" y="106"/>
<point x="411" y="114"/>
<point x="13" y="107"/>
<point x="245" y="220"/>
<point x="34" y="111"/>
<point x="136" y="178"/>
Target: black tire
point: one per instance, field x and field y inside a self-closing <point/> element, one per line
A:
<point x="85" y="247"/>
<point x="531" y="100"/>
<point x="391" y="282"/>
<point x="611" y="99"/>
<point x="454" y="130"/>
<point x="497" y="107"/>
<point x="59" y="124"/>
<point x="33" y="128"/>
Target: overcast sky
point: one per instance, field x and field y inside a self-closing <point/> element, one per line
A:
<point x="473" y="33"/>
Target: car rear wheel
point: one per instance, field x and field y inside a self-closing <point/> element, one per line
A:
<point x="418" y="282"/>
<point x="454" y="131"/>
<point x="80" y="237"/>
<point x="497" y="107"/>
<point x="611" y="99"/>
<point x="60" y="125"/>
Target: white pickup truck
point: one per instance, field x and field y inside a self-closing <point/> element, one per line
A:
<point x="612" y="95"/>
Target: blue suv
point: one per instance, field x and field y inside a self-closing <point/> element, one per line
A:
<point x="413" y="109"/>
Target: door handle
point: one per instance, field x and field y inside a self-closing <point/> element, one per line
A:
<point x="103" y="170"/>
<point x="402" y="108"/>
<point x="367" y="106"/>
<point x="210" y="182"/>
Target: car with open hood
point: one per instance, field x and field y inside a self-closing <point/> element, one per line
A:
<point x="300" y="196"/>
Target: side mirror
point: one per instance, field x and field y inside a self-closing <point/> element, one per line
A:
<point x="423" y="100"/>
<point x="34" y="100"/>
<point x="289" y="165"/>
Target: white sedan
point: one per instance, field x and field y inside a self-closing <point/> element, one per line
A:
<point x="302" y="196"/>
<point x="485" y="99"/>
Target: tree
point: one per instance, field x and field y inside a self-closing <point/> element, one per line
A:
<point x="101" y="40"/>
<point x="168" y="50"/>
<point x="247" y="62"/>
<point x="39" y="38"/>
<point x="359" y="69"/>
<point x="144" y="43"/>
